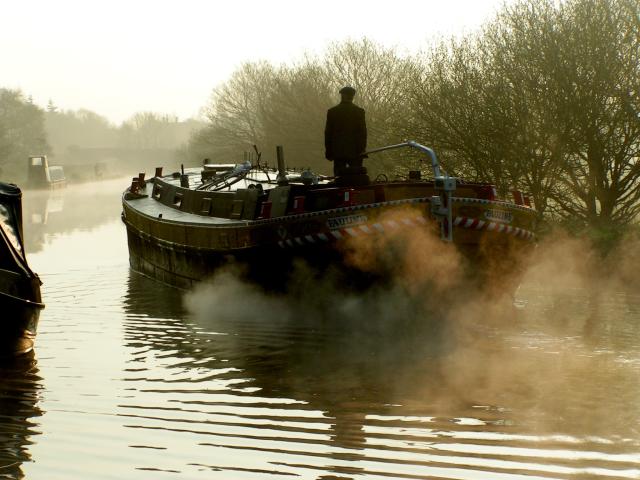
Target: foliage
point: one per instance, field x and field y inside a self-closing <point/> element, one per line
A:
<point x="86" y="129"/>
<point x="22" y="133"/>
<point x="81" y="137"/>
<point x="265" y="105"/>
<point x="148" y="130"/>
<point x="77" y="128"/>
<point x="545" y="98"/>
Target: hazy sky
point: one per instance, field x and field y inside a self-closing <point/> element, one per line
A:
<point x="117" y="57"/>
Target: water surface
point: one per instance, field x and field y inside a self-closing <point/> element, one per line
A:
<point x="132" y="379"/>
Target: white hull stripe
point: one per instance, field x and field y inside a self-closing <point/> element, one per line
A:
<point x="407" y="201"/>
<point x="475" y="224"/>
<point x="364" y="230"/>
<point x="391" y="224"/>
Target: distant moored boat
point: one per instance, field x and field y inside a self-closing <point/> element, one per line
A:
<point x="41" y="175"/>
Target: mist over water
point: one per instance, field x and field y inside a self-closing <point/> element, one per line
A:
<point x="423" y="377"/>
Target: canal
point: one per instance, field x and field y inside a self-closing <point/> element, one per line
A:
<point x="131" y="379"/>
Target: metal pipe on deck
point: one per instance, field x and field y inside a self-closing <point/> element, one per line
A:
<point x="441" y="206"/>
<point x="435" y="164"/>
<point x="282" y="172"/>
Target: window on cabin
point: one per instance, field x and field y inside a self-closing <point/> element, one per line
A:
<point x="236" y="208"/>
<point x="206" y="206"/>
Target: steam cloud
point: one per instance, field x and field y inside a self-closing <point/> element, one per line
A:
<point x="488" y="348"/>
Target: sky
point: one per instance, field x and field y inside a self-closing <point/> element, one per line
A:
<point x="119" y="57"/>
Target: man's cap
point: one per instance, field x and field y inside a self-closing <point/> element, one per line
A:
<point x="349" y="90"/>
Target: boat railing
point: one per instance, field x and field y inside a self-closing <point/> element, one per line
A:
<point x="441" y="205"/>
<point x="435" y="164"/>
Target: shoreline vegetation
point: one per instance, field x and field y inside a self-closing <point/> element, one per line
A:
<point x="544" y="98"/>
<point x="85" y="143"/>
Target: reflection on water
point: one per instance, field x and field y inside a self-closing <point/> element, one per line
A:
<point x="78" y="207"/>
<point x="19" y="392"/>
<point x="329" y="398"/>
<point x="127" y="382"/>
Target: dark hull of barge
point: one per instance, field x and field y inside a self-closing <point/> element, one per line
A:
<point x="183" y="266"/>
<point x="178" y="247"/>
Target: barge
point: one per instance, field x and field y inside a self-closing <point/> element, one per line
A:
<point x="182" y="227"/>
<point x="42" y="176"/>
<point x="20" y="301"/>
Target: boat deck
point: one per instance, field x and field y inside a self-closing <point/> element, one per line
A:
<point x="152" y="208"/>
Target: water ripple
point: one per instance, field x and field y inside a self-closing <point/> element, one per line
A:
<point x="126" y="383"/>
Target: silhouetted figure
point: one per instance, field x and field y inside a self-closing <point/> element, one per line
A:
<point x="345" y="133"/>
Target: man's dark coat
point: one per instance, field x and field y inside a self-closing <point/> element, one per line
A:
<point x="345" y="133"/>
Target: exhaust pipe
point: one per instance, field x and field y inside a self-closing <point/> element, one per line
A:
<point x="282" y="173"/>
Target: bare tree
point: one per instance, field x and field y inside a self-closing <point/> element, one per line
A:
<point x="266" y="105"/>
<point x="544" y="98"/>
<point x="597" y="82"/>
<point x="237" y="111"/>
<point x="381" y="76"/>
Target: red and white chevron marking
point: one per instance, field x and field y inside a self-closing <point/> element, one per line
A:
<point x="392" y="203"/>
<point x="391" y="225"/>
<point x="477" y="224"/>
<point x="353" y="231"/>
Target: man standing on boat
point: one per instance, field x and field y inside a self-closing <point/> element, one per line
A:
<point x="345" y="133"/>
